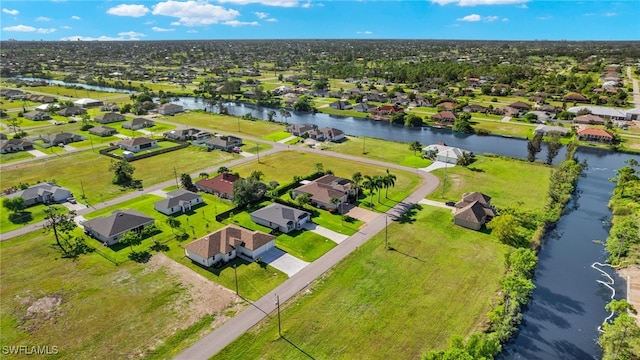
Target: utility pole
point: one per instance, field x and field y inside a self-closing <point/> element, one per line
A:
<point x="278" y="305"/>
<point x="235" y="272"/>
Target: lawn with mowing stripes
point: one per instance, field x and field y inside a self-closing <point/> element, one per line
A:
<point x="438" y="281"/>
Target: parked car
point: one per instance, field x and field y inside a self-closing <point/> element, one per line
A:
<point x="71" y="199"/>
<point x="450" y="203"/>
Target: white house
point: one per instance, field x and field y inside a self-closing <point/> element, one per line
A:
<point x="87" y="103"/>
<point x="170" y="109"/>
<point x="180" y="200"/>
<point x="137" y="144"/>
<point x="227" y="243"/>
<point x="42" y="193"/>
<point x="443" y="153"/>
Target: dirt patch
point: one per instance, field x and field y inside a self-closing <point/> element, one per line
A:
<point x="204" y="296"/>
<point x="632" y="275"/>
<point x="37" y="310"/>
<point x="361" y="214"/>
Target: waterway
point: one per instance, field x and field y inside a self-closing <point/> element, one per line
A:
<point x="567" y="307"/>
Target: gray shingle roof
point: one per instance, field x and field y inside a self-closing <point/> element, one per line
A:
<point x="118" y="222"/>
<point x="280" y="214"/>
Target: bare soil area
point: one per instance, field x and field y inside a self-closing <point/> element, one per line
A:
<point x="632" y="275"/>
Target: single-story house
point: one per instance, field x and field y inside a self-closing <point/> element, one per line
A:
<point x="15" y="145"/>
<point x="473" y="108"/>
<point x="137" y="144"/>
<point x="341" y="105"/>
<point x="546" y="129"/>
<point x="387" y="110"/>
<point x="281" y="217"/>
<point x="47" y="107"/>
<point x="444" y="116"/>
<point x="102" y="130"/>
<point x="109" y="117"/>
<point x="187" y="134"/>
<point x="322" y="190"/>
<point x="473" y="211"/>
<point x="138" y="123"/>
<point x="592" y="134"/>
<point x="42" y="193"/>
<point x="62" y="138"/>
<point x="12" y="94"/>
<point x="520" y="106"/>
<point x="87" y="103"/>
<point x="227" y="243"/>
<point x="169" y="109"/>
<point x="574" y="97"/>
<point x="327" y="133"/>
<point x="589" y="119"/>
<point x="443" y="153"/>
<point x="180" y="200"/>
<point x="447" y="105"/>
<point x="542" y="116"/>
<point x="300" y="129"/>
<point x="363" y="107"/>
<point x="72" y="111"/>
<point x="109" y="229"/>
<point x="221" y="185"/>
<point x="602" y="111"/>
<point x="225" y="143"/>
<point x="37" y="115"/>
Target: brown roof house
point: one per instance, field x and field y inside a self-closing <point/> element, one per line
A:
<point x="109" y="229"/>
<point x="227" y="243"/>
<point x="473" y="211"/>
<point x="221" y="185"/>
<point x="109" y="117"/>
<point x="281" y="217"/>
<point x="592" y="134"/>
<point x="444" y="116"/>
<point x="322" y="190"/>
<point x="520" y="106"/>
<point x="589" y="119"/>
<point x="574" y="97"/>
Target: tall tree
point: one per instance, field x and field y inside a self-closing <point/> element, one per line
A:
<point x="505" y="227"/>
<point x="618" y="337"/>
<point x="284" y="114"/>
<point x="246" y="191"/>
<point x="415" y="147"/>
<point x="123" y="172"/>
<point x="131" y="239"/>
<point x="534" y="147"/>
<point x="256" y="175"/>
<point x="61" y="224"/>
<point x="223" y="170"/>
<point x="378" y="181"/>
<point x="173" y="223"/>
<point x="14" y="205"/>
<point x="303" y="199"/>
<point x="462" y="124"/>
<point x="369" y="184"/>
<point x="357" y="179"/>
<point x="389" y="180"/>
<point x="271" y="115"/>
<point x="186" y="181"/>
<point x="553" y="146"/>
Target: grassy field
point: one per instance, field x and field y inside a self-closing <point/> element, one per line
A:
<point x="512" y="128"/>
<point x="388" y="304"/>
<point x="91" y="171"/>
<point x="13" y="157"/>
<point x="508" y="182"/>
<point x="134" y="306"/>
<point x="32" y="215"/>
<point x="305" y="245"/>
<point x="381" y="150"/>
<point x="277" y="136"/>
<point x="302" y="164"/>
<point x="225" y="124"/>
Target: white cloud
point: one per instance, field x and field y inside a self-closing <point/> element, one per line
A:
<point x="192" y="31"/>
<point x="505" y="19"/>
<point x="523" y="6"/>
<point x="132" y="35"/>
<point x="490" y="18"/>
<point x="27" y="28"/>
<point x="610" y="14"/>
<point x="194" y="13"/>
<point x="367" y="32"/>
<point x="279" y="3"/>
<point x="10" y="12"/>
<point x="472" y="17"/>
<point x="43" y="18"/>
<point x="75" y="17"/>
<point x="148" y="22"/>
<point x="89" y="38"/>
<point x="128" y="10"/>
<point x="66" y="27"/>
<point x="19" y="28"/>
<point x="261" y="15"/>
<point x="271" y="20"/>
<point x="236" y="23"/>
<point x="159" y="29"/>
<point x="308" y="5"/>
<point x="478" y="2"/>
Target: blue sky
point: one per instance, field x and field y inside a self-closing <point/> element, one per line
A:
<point x="311" y="19"/>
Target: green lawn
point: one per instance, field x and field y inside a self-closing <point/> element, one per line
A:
<point x="92" y="170"/>
<point x="388" y="304"/>
<point x="381" y="150"/>
<point x="512" y="128"/>
<point x="97" y="298"/>
<point x="509" y="182"/>
<point x="225" y="124"/>
<point x="305" y="245"/>
<point x="31" y="215"/>
<point x="17" y="156"/>
<point x="303" y="164"/>
<point x="277" y="136"/>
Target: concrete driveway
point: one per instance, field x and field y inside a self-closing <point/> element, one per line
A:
<point x="329" y="234"/>
<point x="438" y="204"/>
<point x="437" y="165"/>
<point x="361" y="214"/>
<point x="37" y="153"/>
<point x="282" y="261"/>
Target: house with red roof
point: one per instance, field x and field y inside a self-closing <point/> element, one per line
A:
<point x="221" y="185"/>
<point x="593" y="134"/>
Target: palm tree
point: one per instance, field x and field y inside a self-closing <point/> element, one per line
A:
<point x="303" y="199"/>
<point x="334" y="201"/>
<point x="223" y="170"/>
<point x="415" y="146"/>
<point x="270" y="115"/>
<point x="356" y="178"/>
<point x="369" y="184"/>
<point x="378" y="182"/>
<point x="256" y="175"/>
<point x="173" y="223"/>
<point x="204" y="175"/>
<point x="285" y="115"/>
<point x="389" y="181"/>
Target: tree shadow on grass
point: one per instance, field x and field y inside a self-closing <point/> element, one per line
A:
<point x="391" y="248"/>
<point x="409" y="212"/>
<point x="21" y="217"/>
<point x="475" y="169"/>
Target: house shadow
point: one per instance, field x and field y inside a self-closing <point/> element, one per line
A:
<point x="297" y="347"/>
